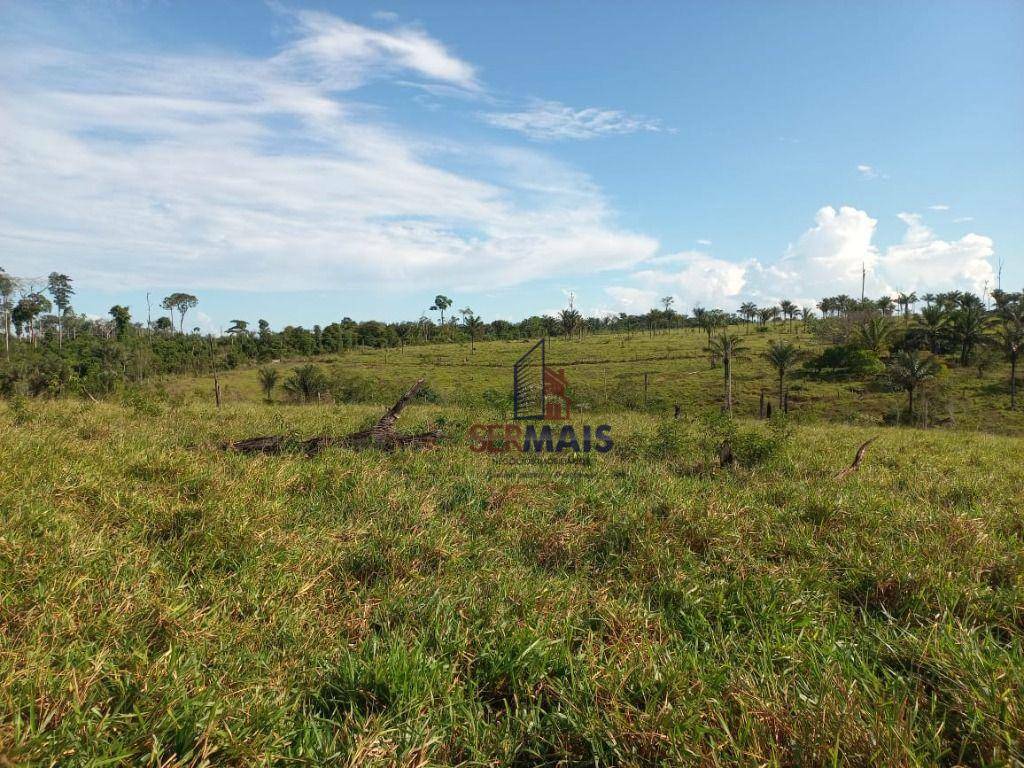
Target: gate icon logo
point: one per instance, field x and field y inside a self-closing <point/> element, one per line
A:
<point x="539" y="392"/>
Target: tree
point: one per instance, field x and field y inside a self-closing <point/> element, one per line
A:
<point x="807" y="314"/>
<point x="60" y="289"/>
<point x="1010" y="336"/>
<point x="789" y="309"/>
<point x="7" y="286"/>
<point x="570" y="320"/>
<point x="909" y="370"/>
<point x="727" y="346"/>
<point x="441" y="303"/>
<point x="748" y="311"/>
<point x="122" y="320"/>
<point x="935" y="322"/>
<point x="268" y="380"/>
<point x="28" y="309"/>
<point x="782" y="356"/>
<point x="873" y="335"/>
<point x="306" y="382"/>
<point x="238" y="328"/>
<point x="182" y="302"/>
<point x="968" y="325"/>
<point x="473" y="325"/>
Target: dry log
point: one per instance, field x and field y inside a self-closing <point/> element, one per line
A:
<point x="382" y="435"/>
<point x="857" y="459"/>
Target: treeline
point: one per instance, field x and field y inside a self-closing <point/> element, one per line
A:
<point x="49" y="349"/>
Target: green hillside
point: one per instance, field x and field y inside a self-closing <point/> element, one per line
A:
<point x="607" y="372"/>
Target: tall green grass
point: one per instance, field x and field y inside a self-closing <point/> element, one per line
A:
<point x="163" y="602"/>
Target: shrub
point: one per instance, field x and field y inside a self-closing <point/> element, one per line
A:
<point x="498" y="401"/>
<point x="306" y="382"/>
<point x="847" y="360"/>
<point x="140" y="402"/>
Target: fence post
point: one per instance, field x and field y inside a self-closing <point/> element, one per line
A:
<point x="216" y="389"/>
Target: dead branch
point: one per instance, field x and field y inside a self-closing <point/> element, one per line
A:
<point x="725" y="455"/>
<point x="857" y="459"/>
<point x="381" y="435"/>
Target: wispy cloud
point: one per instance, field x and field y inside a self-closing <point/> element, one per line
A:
<point x="963" y="219"/>
<point x="704" y="242"/>
<point x="870" y="172"/>
<point x="552" y="121"/>
<point x="233" y="172"/>
<point x="938" y="207"/>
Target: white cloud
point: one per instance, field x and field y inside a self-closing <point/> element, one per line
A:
<point x="338" y="53"/>
<point x="692" y="277"/>
<point x="551" y="120"/>
<point x="922" y="261"/>
<point x="704" y="242"/>
<point x="827" y="259"/>
<point x="938" y="207"/>
<point x="870" y="172"/>
<point x="632" y="300"/>
<point x="963" y="219"/>
<point x="259" y="174"/>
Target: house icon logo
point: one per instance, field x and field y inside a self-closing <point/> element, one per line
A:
<point x="556" y="401"/>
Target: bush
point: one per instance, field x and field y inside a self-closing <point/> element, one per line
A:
<point x="306" y="382"/>
<point x="140" y="402"/>
<point x="847" y="360"/>
<point x="354" y="388"/>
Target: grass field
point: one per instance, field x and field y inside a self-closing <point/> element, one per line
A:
<point x="606" y="373"/>
<point x="163" y="602"/>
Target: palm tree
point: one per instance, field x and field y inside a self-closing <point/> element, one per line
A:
<point x="727" y="346"/>
<point x="570" y="320"/>
<point x="968" y="325"/>
<point x="268" y="380"/>
<point x="909" y="370"/>
<point x="748" y="311"/>
<point x="1010" y="335"/>
<point x="935" y="321"/>
<point x="873" y="335"/>
<point x="473" y="325"/>
<point x="441" y="303"/>
<point x="806" y="314"/>
<point x="306" y="383"/>
<point x="789" y="310"/>
<point x="782" y="356"/>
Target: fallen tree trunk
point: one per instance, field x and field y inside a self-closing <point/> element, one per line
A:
<point x="857" y="459"/>
<point x="381" y="435"/>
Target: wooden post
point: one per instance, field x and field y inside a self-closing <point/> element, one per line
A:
<point x="216" y="389"/>
<point x="760" y="412"/>
<point x="645" y="390"/>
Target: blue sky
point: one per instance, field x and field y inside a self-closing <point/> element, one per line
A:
<point x="303" y="162"/>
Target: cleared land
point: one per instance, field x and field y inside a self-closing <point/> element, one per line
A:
<point x="163" y="602"/>
<point x="606" y="373"/>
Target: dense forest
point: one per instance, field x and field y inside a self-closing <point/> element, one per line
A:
<point x="50" y="350"/>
